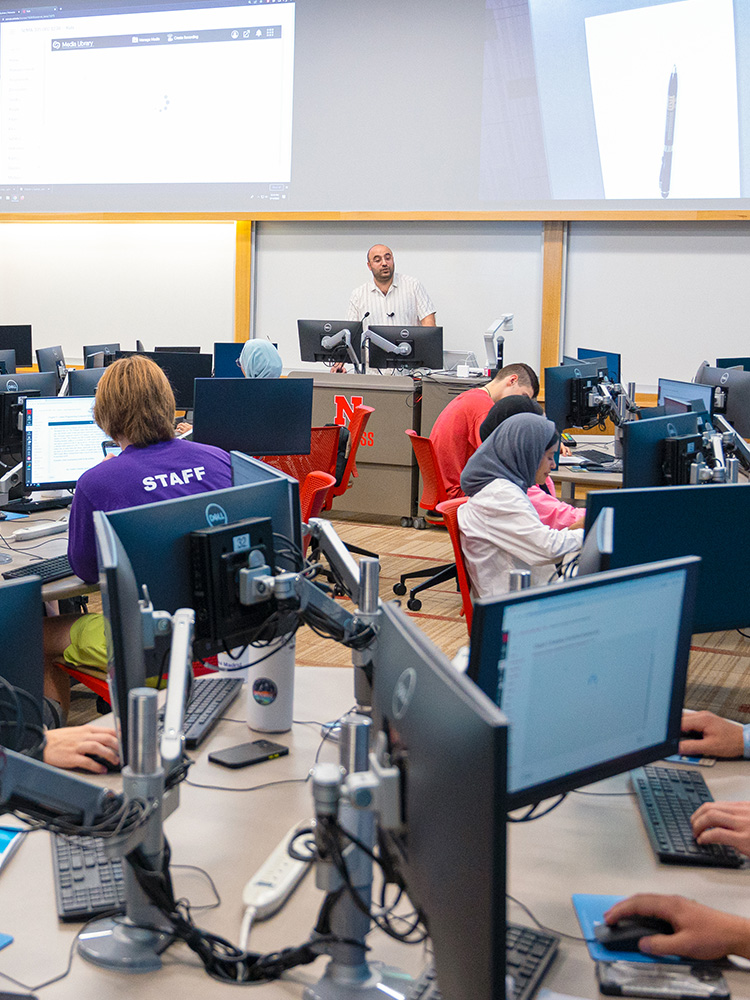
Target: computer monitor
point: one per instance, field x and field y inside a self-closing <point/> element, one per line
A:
<point x="688" y="392"/>
<point x="8" y="359"/>
<point x="89" y="349"/>
<point x="600" y="360"/>
<point x="425" y="345"/>
<point x="61" y="441"/>
<point x="743" y="363"/>
<point x="644" y="458"/>
<point x="22" y="662"/>
<point x="590" y="673"/>
<point x="45" y="383"/>
<point x="11" y="420"/>
<point x="613" y="361"/>
<point x="260" y="416"/>
<point x="598" y="544"/>
<point x="182" y="369"/>
<point x="736" y="384"/>
<point x="18" y="339"/>
<point x="51" y="359"/>
<point x="564" y="395"/>
<point x="226" y="360"/>
<point x="83" y="381"/>
<point x="178" y="350"/>
<point x="127" y="663"/>
<point x="711" y="521"/>
<point x="319" y="341"/>
<point x="156" y="537"/>
<point x="449" y="742"/>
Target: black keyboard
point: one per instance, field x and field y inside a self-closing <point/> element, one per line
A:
<point x="55" y="568"/>
<point x="27" y="506"/>
<point x="212" y="696"/>
<point x="667" y="798"/>
<point x="594" y="456"/>
<point x="87" y="882"/>
<point x="528" y="954"/>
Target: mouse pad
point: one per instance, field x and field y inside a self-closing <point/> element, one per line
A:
<point x="590" y="911"/>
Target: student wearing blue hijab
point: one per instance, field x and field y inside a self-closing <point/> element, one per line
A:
<point x="260" y="359"/>
<point x="500" y="528"/>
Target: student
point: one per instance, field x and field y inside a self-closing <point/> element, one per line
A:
<point x="135" y="407"/>
<point x="552" y="512"/>
<point x="500" y="529"/>
<point x="455" y="433"/>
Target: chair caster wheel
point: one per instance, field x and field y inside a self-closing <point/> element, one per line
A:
<point x="406" y="522"/>
<point x="399" y="589"/>
<point x="414" y="604"/>
<point x="419" y="523"/>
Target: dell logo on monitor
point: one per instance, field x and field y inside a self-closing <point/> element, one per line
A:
<point x="403" y="692"/>
<point x="216" y="515"/>
<point x="724" y="378"/>
<point x="11" y="385"/>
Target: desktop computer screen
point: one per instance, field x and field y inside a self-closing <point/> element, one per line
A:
<point x="106" y="349"/>
<point x="8" y="360"/>
<point x="51" y="359"/>
<point x="83" y="381"/>
<point x="18" y="339"/>
<point x="156" y="538"/>
<point x="226" y="360"/>
<point x="688" y="392"/>
<point x="644" y="457"/>
<point x="560" y="385"/>
<point x="590" y="674"/>
<point x="735" y="382"/>
<point x="449" y="742"/>
<point x="181" y="369"/>
<point x="319" y="341"/>
<point x="614" y="361"/>
<point x="711" y="521"/>
<point x="425" y="345"/>
<point x="22" y="662"/>
<point x="44" y="382"/>
<point x="259" y="416"/>
<point x="61" y="441"/>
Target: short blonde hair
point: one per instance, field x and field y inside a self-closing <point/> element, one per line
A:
<point x="134" y="400"/>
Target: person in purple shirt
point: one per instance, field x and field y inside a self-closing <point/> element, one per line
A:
<point x="135" y="407"/>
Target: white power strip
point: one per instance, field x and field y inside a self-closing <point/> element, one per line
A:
<point x="39" y="531"/>
<point x="272" y="885"/>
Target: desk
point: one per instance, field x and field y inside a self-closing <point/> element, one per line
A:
<point x="22" y="553"/>
<point x="570" y="476"/>
<point x="231" y="833"/>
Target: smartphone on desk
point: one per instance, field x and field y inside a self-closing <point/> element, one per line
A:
<point x="248" y="753"/>
<point x="651" y="979"/>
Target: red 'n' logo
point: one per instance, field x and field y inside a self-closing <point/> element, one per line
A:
<point x="345" y="409"/>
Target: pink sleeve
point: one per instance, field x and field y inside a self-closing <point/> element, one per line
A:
<point x="553" y="512"/>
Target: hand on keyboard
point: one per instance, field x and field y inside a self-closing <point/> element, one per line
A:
<point x="723" y="823"/>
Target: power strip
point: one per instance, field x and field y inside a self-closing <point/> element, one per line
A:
<point x="275" y="880"/>
<point x="39" y="531"/>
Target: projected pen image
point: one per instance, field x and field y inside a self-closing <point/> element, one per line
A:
<point x="665" y="174"/>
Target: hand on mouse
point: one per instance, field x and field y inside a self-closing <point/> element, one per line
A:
<point x="68" y="747"/>
<point x="699" y="931"/>
<point x="723" y="823"/>
<point x="718" y="737"/>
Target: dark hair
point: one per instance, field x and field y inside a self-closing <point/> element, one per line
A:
<point x="553" y="440"/>
<point x="504" y="408"/>
<point x="526" y="376"/>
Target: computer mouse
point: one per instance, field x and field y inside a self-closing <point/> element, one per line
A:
<point x="3" y="515"/>
<point x="626" y="933"/>
<point x="111" y="768"/>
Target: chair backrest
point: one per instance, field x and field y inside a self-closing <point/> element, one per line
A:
<point x="312" y="496"/>
<point x="433" y="487"/>
<point x="357" y="424"/>
<point x="449" y="510"/>
<point x="324" y="446"/>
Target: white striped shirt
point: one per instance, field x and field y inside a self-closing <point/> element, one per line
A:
<point x="405" y="303"/>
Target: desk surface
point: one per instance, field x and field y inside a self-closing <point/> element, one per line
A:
<point x="588" y="844"/>
<point x="23" y="553"/>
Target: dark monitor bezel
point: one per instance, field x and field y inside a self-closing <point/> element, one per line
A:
<point x="642" y="446"/>
<point x="487" y="638"/>
<point x="257" y="416"/>
<point x="711" y="521"/>
<point x="18" y="337"/>
<point x="311" y="331"/>
<point x="451" y="855"/>
<point x="557" y="402"/>
<point x="182" y="369"/>
<point x="427" y="344"/>
<point x="22" y="662"/>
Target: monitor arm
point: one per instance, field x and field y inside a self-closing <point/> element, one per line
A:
<point x="9" y="479"/>
<point x="342" y="337"/>
<point x="403" y="350"/>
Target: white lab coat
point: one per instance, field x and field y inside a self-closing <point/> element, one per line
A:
<point x="501" y="531"/>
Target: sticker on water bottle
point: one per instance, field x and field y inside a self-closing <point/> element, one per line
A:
<point x="265" y="691"/>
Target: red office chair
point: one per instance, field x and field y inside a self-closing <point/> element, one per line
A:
<point x="433" y="493"/>
<point x="357" y="424"/>
<point x="312" y="496"/>
<point x="324" y="449"/>
<point x="449" y="510"/>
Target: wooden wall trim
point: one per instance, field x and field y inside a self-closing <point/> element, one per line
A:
<point x="553" y="253"/>
<point x="243" y="263"/>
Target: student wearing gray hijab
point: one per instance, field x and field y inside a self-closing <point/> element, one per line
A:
<point x="500" y="528"/>
<point x="260" y="359"/>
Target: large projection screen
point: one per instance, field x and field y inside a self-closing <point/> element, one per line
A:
<point x="355" y="106"/>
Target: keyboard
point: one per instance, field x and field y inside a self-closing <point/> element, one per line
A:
<point x="26" y="506"/>
<point x="87" y="882"/>
<point x="55" y="568"/>
<point x="528" y="954"/>
<point x="212" y="696"/>
<point x="593" y="456"/>
<point x="667" y="798"/>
